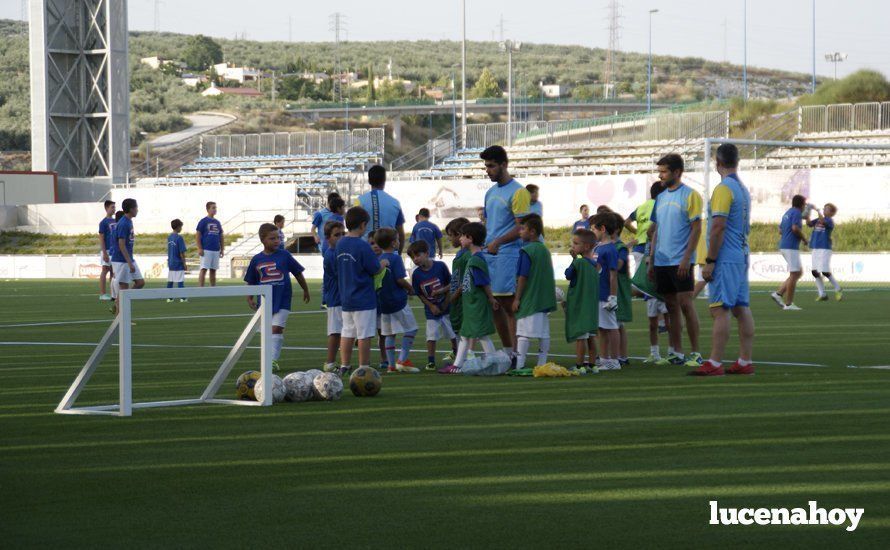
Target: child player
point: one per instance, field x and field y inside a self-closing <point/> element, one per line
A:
<point x="425" y="230"/>
<point x="381" y="345"/>
<point x="176" y="266"/>
<point x="607" y="257"/>
<point x="211" y="244"/>
<point x="458" y="266"/>
<point x="820" y="244"/>
<point x="392" y="302"/>
<point x="274" y="266"/>
<point x="432" y="284"/>
<point x="477" y="301"/>
<point x="357" y="265"/>
<point x="278" y="220"/>
<point x="535" y="291"/>
<point x="582" y="300"/>
<point x="333" y="232"/>
<point x="126" y="270"/>
<point x="624" y="314"/>
<point x="106" y="245"/>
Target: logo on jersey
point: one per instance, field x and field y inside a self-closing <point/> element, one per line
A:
<point x="467" y="284"/>
<point x="269" y="273"/>
<point x="430" y="287"/>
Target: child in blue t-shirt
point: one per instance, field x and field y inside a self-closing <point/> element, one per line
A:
<point x="603" y="226"/>
<point x="176" y="266"/>
<point x="425" y="230"/>
<point x="820" y="245"/>
<point x="432" y="284"/>
<point x="271" y="267"/>
<point x="330" y="291"/>
<point x="392" y="302"/>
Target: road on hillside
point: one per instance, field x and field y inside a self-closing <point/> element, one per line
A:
<point x="201" y="123"/>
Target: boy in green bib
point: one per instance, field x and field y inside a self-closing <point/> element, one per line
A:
<point x="458" y="266"/>
<point x="535" y="291"/>
<point x="625" y="307"/>
<point x="477" y="301"/>
<point x="582" y="300"/>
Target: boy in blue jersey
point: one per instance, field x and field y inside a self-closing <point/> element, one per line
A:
<point x="333" y="232"/>
<point x="396" y="316"/>
<point x="278" y="220"/>
<point x="106" y="243"/>
<point x="604" y="225"/>
<point x="534" y="204"/>
<point x="820" y="244"/>
<point x="126" y="270"/>
<point x="584" y="222"/>
<point x="726" y="266"/>
<point x="320" y="218"/>
<point x="431" y="282"/>
<point x="381" y="341"/>
<point x="427" y="231"/>
<point x="273" y="267"/>
<point x="176" y="266"/>
<point x="357" y="265"/>
<point x="211" y="244"/>
<point x="790" y="237"/>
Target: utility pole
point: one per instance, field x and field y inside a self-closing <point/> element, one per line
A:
<point x="725" y="40"/>
<point x="273" y="87"/>
<point x="611" y="54"/>
<point x="501" y="28"/>
<point x="745" y="51"/>
<point x="649" y="72"/>
<point x="509" y="46"/>
<point x="814" y="51"/>
<point x="337" y="26"/>
<point x="157" y="15"/>
<point x="463" y="74"/>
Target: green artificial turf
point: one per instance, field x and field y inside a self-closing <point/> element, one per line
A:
<point x="619" y="459"/>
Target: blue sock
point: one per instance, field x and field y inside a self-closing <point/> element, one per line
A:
<point x="169" y="284"/>
<point x="407" y="342"/>
<point x="431" y="359"/>
<point x="390" y="346"/>
<point x="180" y="284"/>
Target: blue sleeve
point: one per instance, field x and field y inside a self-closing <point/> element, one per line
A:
<point x="438" y="231"/>
<point x="370" y="262"/>
<point x="812" y="223"/>
<point x="250" y="275"/>
<point x="622" y="255"/>
<point x="103" y="228"/>
<point x="400" y="219"/>
<point x="524" y="266"/>
<point x="611" y="260"/>
<point x="397" y="267"/>
<point x="294" y="266"/>
<point x="652" y="217"/>
<point x="795" y="218"/>
<point x="202" y="225"/>
<point x="316" y="219"/>
<point x="829" y="223"/>
<point x="570" y="273"/>
<point x="415" y="282"/>
<point x="181" y="245"/>
<point x="446" y="276"/>
<point x="413" y="234"/>
<point x="633" y="216"/>
<point x="480" y="278"/>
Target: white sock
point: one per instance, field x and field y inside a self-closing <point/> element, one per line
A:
<point x="522" y="344"/>
<point x="654" y="351"/>
<point x="834" y="283"/>
<point x="488" y="345"/>
<point x="462" y="348"/>
<point x="715" y="363"/>
<point x="277" y="343"/>
<point x="543" y="350"/>
<point x="743" y="363"/>
<point x="508" y="350"/>
<point x="820" y="286"/>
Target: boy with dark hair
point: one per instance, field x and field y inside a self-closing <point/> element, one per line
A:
<point x="535" y="291"/>
<point x="126" y="270"/>
<point x="274" y="266"/>
<point x="432" y="283"/>
<point x="106" y="244"/>
<point x="820" y="244"/>
<point x="176" y="266"/>
<point x="427" y="231"/>
<point x="607" y="257"/>
<point x="458" y="267"/>
<point x="584" y="222"/>
<point x="333" y="210"/>
<point x="534" y="206"/>
<point x="211" y="244"/>
<point x="582" y="300"/>
<point x="476" y="297"/>
<point x="278" y="220"/>
<point x="392" y="303"/>
<point x="333" y="232"/>
<point x="791" y="235"/>
<point x="624" y="313"/>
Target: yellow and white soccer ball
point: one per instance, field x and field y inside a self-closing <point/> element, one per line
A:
<point x="365" y="382"/>
<point x="245" y="385"/>
<point x="298" y="387"/>
<point x="278" y="390"/>
<point x="328" y="386"/>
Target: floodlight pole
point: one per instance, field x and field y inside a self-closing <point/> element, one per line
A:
<point x="463" y="75"/>
<point x="745" y="51"/>
<point x="649" y="71"/>
<point x="813" y="86"/>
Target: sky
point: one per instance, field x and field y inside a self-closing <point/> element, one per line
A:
<point x="779" y="31"/>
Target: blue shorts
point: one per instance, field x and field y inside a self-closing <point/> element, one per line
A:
<point x="729" y="287"/>
<point x="502" y="270"/>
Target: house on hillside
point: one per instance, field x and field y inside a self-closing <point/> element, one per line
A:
<point x="554" y="90"/>
<point x="238" y="74"/>
<point x="192" y="80"/>
<point x="156" y="62"/>
<point x="215" y="90"/>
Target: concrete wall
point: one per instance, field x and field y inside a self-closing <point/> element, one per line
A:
<point x="27" y="188"/>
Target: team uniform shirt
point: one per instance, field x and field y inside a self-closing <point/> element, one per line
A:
<point x="503" y="204"/>
<point x="330" y="290"/>
<point x="536" y="265"/>
<point x="788" y="240"/>
<point x="211" y="234"/>
<point x="478" y="319"/>
<point x="674" y="213"/>
<point x="625" y="306"/>
<point x="643" y="218"/>
<point x="175" y="250"/>
<point x="607" y="258"/>
<point x="123" y="230"/>
<point x="274" y="269"/>
<point x="281" y="240"/>
<point x="356" y="267"/>
<point x="821" y="237"/>
<point x="428" y="282"/>
<point x="106" y="229"/>
<point x="536" y="208"/>
<point x="581" y="224"/>
<point x="384" y="209"/>
<point x="458" y="268"/>
<point x="729" y="287"/>
<point x="319" y="219"/>
<point x="582" y="299"/>
<point x="392" y="298"/>
<point x="429" y="232"/>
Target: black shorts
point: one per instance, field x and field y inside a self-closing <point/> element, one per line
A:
<point x="667" y="281"/>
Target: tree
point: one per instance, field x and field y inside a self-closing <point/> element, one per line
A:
<point x="486" y="86"/>
<point x="372" y="95"/>
<point x="584" y="92"/>
<point x="860" y="87"/>
<point x="201" y="52"/>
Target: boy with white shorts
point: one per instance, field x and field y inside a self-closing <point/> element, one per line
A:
<point x="820" y="244"/>
<point x="176" y="266"/>
<point x="604" y="225"/>
<point x="126" y="270"/>
<point x="535" y="291"/>
<point x="431" y="282"/>
<point x="333" y="232"/>
<point x="392" y="303"/>
<point x="211" y="244"/>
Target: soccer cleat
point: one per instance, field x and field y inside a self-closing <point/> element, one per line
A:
<point x="671" y="359"/>
<point x="652" y="359"/>
<point x="791" y="307"/>
<point x="275" y="366"/>
<point x="450" y="369"/>
<point x="430" y="367"/>
<point x="407" y="367"/>
<point x="183" y="300"/>
<point x="343" y="372"/>
<point x="104" y="298"/>
<point x="383" y="366"/>
<point x="839" y="295"/>
<point x="610" y="365"/>
<point x="624" y="362"/>
<point x="707" y="369"/>
<point x="406" y="362"/>
<point x="169" y="300"/>
<point x="738" y="369"/>
<point x="392" y="368"/>
<point x="330" y="367"/>
<point x="822" y="298"/>
<point x="777" y="298"/>
<point x="449" y="357"/>
<point x="694" y="359"/>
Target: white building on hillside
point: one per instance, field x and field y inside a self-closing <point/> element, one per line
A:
<point x="238" y="74"/>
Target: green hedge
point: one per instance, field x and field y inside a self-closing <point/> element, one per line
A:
<point x="20" y="242"/>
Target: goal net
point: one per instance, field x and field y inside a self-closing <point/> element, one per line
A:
<point x="121" y="332"/>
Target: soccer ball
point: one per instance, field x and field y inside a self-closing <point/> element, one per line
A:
<point x="298" y="387"/>
<point x="244" y="386"/>
<point x="365" y="382"/>
<point x="312" y="374"/>
<point x="328" y="386"/>
<point x="560" y="295"/>
<point x="278" y="390"/>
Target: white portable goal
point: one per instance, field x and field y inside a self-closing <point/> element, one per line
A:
<point x="120" y="329"/>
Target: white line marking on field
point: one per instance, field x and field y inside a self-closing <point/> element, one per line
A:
<point x="879" y="367"/>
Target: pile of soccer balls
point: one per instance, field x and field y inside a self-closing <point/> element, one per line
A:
<point x="311" y="385"/>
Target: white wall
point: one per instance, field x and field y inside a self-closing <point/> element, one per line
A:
<point x="27" y="188"/>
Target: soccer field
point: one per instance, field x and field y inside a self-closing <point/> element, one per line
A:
<point x="623" y="459"/>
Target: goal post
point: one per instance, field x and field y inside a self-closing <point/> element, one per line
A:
<point x="120" y="330"/>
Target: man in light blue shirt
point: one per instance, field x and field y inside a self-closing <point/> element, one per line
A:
<point x="790" y="237"/>
<point x="384" y="209"/>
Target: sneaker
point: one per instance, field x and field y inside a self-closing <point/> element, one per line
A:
<point x="343" y="372"/>
<point x="694" y="360"/>
<point x="383" y="366"/>
<point x="407" y="367"/>
<point x="609" y="364"/>
<point x="671" y="359"/>
<point x="652" y="359"/>
<point x="777" y="298"/>
<point x="448" y="357"/>
<point x="707" y="369"/>
<point x="839" y="295"/>
<point x="330" y="367"/>
<point x="105" y="298"/>
<point x="624" y="362"/>
<point x="738" y="369"/>
<point x="791" y="307"/>
<point x="275" y="366"/>
<point x="430" y="367"/>
<point x="450" y="369"/>
<point x="406" y="362"/>
<point x="392" y="368"/>
<point x="169" y="300"/>
<point x="822" y="298"/>
<point x="183" y="300"/>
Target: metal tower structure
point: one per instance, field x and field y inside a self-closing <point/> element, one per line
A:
<point x="614" y="27"/>
<point x="79" y="89"/>
<point x="337" y="26"/>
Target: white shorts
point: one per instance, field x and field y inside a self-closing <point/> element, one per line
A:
<point x="122" y="275"/>
<point x="699" y="278"/>
<point x="335" y="320"/>
<point x="359" y="324"/>
<point x="439" y="328"/>
<point x="399" y="322"/>
<point x="176" y="276"/>
<point x="103" y="263"/>
<point x="210" y="260"/>
<point x="822" y="260"/>
<point x="534" y="326"/>
<point x="280" y="319"/>
<point x="792" y="258"/>
<point x="608" y="319"/>
<point x="584" y="337"/>
<point x="654" y="308"/>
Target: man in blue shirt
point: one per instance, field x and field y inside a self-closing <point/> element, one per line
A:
<point x="506" y="202"/>
<point x="383" y="208"/>
<point x="126" y="270"/>
<point x="790" y="237"/>
<point x="534" y="206"/>
<point x="425" y="230"/>
<point x="176" y="266"/>
<point x="726" y="266"/>
<point x="106" y="243"/>
<point x="820" y="244"/>
<point x="675" y="232"/>
<point x="211" y="244"/>
<point x="333" y="212"/>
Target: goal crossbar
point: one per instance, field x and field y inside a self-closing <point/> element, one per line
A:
<point x="119" y="330"/>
